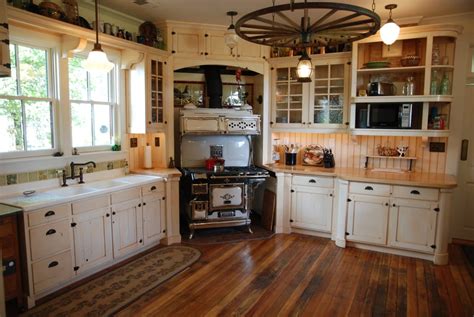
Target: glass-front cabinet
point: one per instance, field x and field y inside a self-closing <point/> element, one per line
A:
<point x="156" y="102"/>
<point x="320" y="104"/>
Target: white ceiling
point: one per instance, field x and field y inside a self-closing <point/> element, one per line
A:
<point x="214" y="11"/>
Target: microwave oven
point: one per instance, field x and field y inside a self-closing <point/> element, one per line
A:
<point x="389" y="116"/>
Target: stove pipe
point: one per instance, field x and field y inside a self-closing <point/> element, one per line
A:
<point x="213" y="86"/>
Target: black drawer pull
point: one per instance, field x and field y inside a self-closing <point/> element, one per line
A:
<point x="49" y="213"/>
<point x="50" y="232"/>
<point x="53" y="264"/>
<point x="312" y="181"/>
<point x="144" y="204"/>
<point x="152" y="188"/>
<point x="227" y="202"/>
<point x="369" y="188"/>
<point x="415" y="192"/>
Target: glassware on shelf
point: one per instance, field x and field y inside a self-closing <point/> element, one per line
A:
<point x="434" y="83"/>
<point x="445" y="85"/>
<point x="435" y="56"/>
<point x="409" y="87"/>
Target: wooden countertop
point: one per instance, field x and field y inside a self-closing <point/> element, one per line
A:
<point x="163" y="172"/>
<point x="367" y="175"/>
<point x="6" y="210"/>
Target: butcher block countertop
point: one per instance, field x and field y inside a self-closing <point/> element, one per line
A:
<point x="367" y="175"/>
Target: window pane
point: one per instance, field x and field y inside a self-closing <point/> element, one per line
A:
<point x="33" y="72"/>
<point x="81" y="124"/>
<point x="77" y="79"/>
<point x="99" y="86"/>
<point x="102" y="125"/>
<point x="11" y="122"/>
<point x="39" y="131"/>
<point x="8" y="85"/>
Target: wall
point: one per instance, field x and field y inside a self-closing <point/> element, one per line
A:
<point x="351" y="151"/>
<point x="136" y="154"/>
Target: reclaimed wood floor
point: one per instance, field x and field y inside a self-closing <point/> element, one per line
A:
<point x="297" y="275"/>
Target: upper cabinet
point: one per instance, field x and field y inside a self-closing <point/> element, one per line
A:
<point x="4" y="42"/>
<point x="147" y="98"/>
<point x="320" y="104"/>
<point x="415" y="72"/>
<point x="207" y="42"/>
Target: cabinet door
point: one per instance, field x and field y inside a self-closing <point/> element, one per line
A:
<point x="215" y="46"/>
<point x="329" y="92"/>
<point x="248" y="50"/>
<point x="413" y="224"/>
<point x="92" y="239"/>
<point x="311" y="208"/>
<point x="187" y="42"/>
<point x="154" y="221"/>
<point x="5" y="67"/>
<point x="127" y="227"/>
<point x="155" y="111"/>
<point x="289" y="99"/>
<point x="367" y="219"/>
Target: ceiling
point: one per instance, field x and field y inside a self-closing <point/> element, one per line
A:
<point x="214" y="11"/>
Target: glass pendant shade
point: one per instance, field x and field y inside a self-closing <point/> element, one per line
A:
<point x="304" y="68"/>
<point x="389" y="32"/>
<point x="97" y="61"/>
<point x="230" y="37"/>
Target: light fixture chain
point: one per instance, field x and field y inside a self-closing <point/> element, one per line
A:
<point x="373" y="5"/>
<point x="96" y="22"/>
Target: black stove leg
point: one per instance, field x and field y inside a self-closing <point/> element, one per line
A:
<point x="191" y="233"/>
<point x="249" y="229"/>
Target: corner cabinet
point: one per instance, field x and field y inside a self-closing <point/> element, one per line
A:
<point x="148" y="81"/>
<point x="423" y="59"/>
<point x="320" y="104"/>
<point x="5" y="67"/>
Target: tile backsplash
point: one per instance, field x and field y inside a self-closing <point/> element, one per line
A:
<point x="39" y="175"/>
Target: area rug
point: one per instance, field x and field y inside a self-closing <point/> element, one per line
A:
<point x="226" y="235"/>
<point x="114" y="290"/>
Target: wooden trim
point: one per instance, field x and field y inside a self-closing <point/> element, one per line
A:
<point x="463" y="242"/>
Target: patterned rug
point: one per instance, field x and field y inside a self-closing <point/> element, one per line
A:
<point x="114" y="290"/>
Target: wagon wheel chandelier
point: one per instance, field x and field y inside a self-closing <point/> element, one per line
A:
<point x="308" y="24"/>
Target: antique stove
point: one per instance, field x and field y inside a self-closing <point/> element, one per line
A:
<point x="212" y="198"/>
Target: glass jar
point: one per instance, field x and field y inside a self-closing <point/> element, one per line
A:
<point x="409" y="87"/>
<point x="444" y="88"/>
<point x="434" y="83"/>
<point x="435" y="56"/>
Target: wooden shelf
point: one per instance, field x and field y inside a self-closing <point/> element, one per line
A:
<point x="401" y="132"/>
<point x="407" y="158"/>
<point x="408" y="69"/>
<point x="417" y="98"/>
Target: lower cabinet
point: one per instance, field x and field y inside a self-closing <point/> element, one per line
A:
<point x="413" y="224"/>
<point x="154" y="221"/>
<point x="367" y="219"/>
<point x="311" y="208"/>
<point x="127" y="227"/>
<point x="92" y="242"/>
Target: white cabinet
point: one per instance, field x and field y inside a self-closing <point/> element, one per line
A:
<point x="147" y="97"/>
<point x="127" y="227"/>
<point x="311" y="208"/>
<point x="5" y="66"/>
<point x="92" y="239"/>
<point x="320" y="104"/>
<point x="154" y="220"/>
<point x="367" y="219"/>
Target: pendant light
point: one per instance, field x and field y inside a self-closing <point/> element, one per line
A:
<point x="304" y="68"/>
<point x="390" y="30"/>
<point x="97" y="60"/>
<point x="230" y="37"/>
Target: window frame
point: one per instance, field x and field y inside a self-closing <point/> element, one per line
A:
<point x="52" y="91"/>
<point x="113" y="103"/>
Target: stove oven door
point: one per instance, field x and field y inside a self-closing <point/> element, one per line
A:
<point x="226" y="196"/>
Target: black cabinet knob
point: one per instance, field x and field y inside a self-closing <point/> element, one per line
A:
<point x="173" y="52"/>
<point x="107" y="215"/>
<point x="144" y="204"/>
<point x="139" y="205"/>
<point x="113" y="213"/>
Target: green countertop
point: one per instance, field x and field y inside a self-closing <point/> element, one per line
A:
<point x="6" y="210"/>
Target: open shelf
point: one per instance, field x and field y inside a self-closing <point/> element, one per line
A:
<point x="417" y="98"/>
<point x="401" y="132"/>
<point x="406" y="158"/>
<point x="408" y="69"/>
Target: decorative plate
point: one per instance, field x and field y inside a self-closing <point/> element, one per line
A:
<point x="313" y="155"/>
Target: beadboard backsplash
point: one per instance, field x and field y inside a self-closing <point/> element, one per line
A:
<point x="350" y="151"/>
<point x="136" y="158"/>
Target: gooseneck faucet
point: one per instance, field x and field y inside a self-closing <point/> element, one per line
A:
<point x="73" y="173"/>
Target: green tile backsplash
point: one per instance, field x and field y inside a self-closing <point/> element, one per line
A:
<point x="33" y="176"/>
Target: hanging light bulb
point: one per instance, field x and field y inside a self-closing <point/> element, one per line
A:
<point x="97" y="60"/>
<point x="304" y="68"/>
<point x="390" y="30"/>
<point x="230" y="37"/>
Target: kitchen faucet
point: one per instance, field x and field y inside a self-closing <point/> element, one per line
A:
<point x="73" y="172"/>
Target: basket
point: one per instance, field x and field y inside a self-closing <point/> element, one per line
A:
<point x="410" y="60"/>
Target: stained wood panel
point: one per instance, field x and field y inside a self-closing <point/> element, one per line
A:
<point x="157" y="152"/>
<point x="351" y="151"/>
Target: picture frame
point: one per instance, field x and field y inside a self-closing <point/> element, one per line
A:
<point x="186" y="92"/>
<point x="232" y="97"/>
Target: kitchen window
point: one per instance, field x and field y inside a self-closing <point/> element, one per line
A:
<point x="26" y="103"/>
<point x="93" y="106"/>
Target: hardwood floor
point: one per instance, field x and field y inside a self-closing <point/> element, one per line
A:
<point x="308" y="276"/>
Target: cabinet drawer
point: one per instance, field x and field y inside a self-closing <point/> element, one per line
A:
<point x="52" y="271"/>
<point x="49" y="239"/>
<point x="369" y="189"/>
<point x="49" y="214"/>
<point x="318" y="181"/>
<point x="125" y="195"/>
<point x="92" y="203"/>
<point x="415" y="193"/>
<point x="152" y="188"/>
